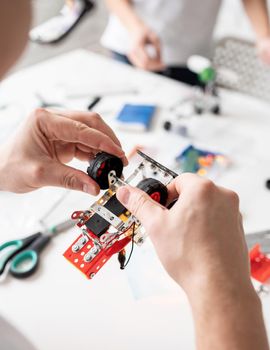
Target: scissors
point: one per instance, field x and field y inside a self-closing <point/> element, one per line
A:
<point x="23" y="254"/>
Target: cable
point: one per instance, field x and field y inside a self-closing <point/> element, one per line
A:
<point x="121" y="254"/>
<point x="132" y="247"/>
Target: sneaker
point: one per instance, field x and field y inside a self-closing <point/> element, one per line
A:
<point x="58" y="27"/>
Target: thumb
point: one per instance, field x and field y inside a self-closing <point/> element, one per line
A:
<point x="141" y="205"/>
<point x="61" y="175"/>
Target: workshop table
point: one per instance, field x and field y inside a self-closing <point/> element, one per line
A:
<point x="58" y="308"/>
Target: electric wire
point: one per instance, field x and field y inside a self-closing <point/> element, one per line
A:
<point x="132" y="247"/>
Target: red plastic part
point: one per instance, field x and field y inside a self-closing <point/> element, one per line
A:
<point x="89" y="269"/>
<point x="102" y="166"/>
<point x="259" y="264"/>
<point x="155" y="196"/>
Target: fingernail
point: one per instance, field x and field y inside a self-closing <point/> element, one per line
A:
<point x="89" y="189"/>
<point x="123" y="195"/>
<point x="125" y="161"/>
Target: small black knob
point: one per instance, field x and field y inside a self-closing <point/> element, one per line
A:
<point x="167" y="125"/>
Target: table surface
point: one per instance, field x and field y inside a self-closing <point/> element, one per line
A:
<point x="58" y="308"/>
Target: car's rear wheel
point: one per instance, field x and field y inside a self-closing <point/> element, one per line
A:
<point x="155" y="189"/>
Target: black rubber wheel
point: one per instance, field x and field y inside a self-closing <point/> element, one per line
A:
<point x="167" y="125"/>
<point x="100" y="167"/>
<point x="155" y="189"/>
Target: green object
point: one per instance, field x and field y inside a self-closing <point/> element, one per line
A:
<point x="23" y="254"/>
<point x="26" y="257"/>
<point x="207" y="75"/>
<point x="15" y="251"/>
<point x="11" y="247"/>
<point x="53" y="230"/>
<point x="190" y="163"/>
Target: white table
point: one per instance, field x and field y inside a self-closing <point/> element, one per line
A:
<point x="58" y="308"/>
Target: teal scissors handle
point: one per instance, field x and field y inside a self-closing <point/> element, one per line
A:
<point x="10" y="249"/>
<point x="23" y="254"/>
<point x="25" y="263"/>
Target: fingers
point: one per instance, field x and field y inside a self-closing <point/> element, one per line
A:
<point x="69" y="130"/>
<point x="141" y="206"/>
<point x="193" y="189"/>
<point x="93" y="120"/>
<point x="143" y="57"/>
<point x="154" y="40"/>
<point x="83" y="156"/>
<point x="60" y="175"/>
<point x="141" y="60"/>
<point x="181" y="183"/>
<point x="188" y="188"/>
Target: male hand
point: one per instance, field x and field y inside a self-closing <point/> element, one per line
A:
<point x="145" y="52"/>
<point x="37" y="155"/>
<point x="200" y="240"/>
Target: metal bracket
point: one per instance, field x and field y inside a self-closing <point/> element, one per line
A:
<point x="107" y="215"/>
<point x="111" y="218"/>
<point x="157" y="164"/>
<point x="115" y="183"/>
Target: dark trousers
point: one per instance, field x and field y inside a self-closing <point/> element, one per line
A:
<point x="179" y="73"/>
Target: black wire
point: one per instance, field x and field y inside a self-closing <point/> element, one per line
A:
<point x="132" y="247"/>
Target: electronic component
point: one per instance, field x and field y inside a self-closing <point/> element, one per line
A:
<point x="202" y="162"/>
<point x="205" y="99"/>
<point x="97" y="224"/>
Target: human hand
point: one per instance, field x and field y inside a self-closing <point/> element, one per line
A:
<point x="37" y="155"/>
<point x="200" y="240"/>
<point x="145" y="52"/>
<point x="263" y="48"/>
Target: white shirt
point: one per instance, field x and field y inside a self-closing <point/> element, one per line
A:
<point x="185" y="28"/>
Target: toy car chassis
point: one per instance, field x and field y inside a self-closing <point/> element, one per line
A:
<point x="107" y="227"/>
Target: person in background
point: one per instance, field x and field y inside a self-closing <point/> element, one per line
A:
<point x="200" y="240"/>
<point x="160" y="35"/>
